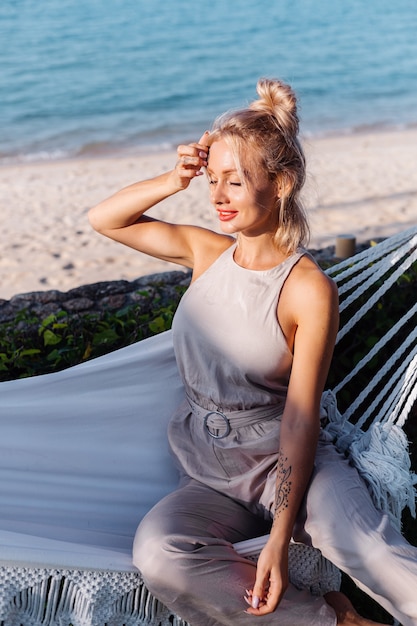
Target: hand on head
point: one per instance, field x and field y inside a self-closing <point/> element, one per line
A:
<point x="191" y="158"/>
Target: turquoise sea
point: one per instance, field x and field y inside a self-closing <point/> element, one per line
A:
<point x="81" y="77"/>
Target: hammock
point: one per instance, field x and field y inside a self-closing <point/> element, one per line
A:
<point x="83" y="456"/>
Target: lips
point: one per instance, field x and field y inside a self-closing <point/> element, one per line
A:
<point x="225" y="216"/>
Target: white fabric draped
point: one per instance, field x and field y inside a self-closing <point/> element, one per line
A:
<point x="84" y="455"/>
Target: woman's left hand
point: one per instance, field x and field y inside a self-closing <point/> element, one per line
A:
<point x="271" y="580"/>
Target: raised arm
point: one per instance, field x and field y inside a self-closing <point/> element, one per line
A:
<point x="122" y="216"/>
<point x="311" y="298"/>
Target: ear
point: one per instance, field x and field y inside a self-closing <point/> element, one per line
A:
<point x="284" y="185"/>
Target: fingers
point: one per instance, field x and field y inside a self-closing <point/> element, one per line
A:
<point x="258" y="596"/>
<point x="259" y="604"/>
<point x="262" y="605"/>
<point x="190" y="153"/>
<point x="191" y="158"/>
<point x="264" y="598"/>
<point x="205" y="140"/>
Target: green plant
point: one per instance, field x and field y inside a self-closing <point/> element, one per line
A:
<point x="32" y="345"/>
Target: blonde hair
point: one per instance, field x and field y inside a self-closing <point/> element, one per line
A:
<point x="264" y="139"/>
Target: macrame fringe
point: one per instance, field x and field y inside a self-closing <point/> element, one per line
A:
<point x="139" y="606"/>
<point x="381" y="456"/>
<point x="79" y="598"/>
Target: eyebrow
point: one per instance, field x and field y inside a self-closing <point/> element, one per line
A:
<point x="232" y="171"/>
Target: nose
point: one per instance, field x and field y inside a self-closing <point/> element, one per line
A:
<point x="218" y="193"/>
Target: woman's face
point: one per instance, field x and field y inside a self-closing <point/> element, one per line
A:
<point x="244" y="208"/>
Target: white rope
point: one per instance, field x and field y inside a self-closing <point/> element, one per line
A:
<point x="402" y="393"/>
<point x="378" y="346"/>
<point x="392" y="390"/>
<point x="410" y="392"/>
<point x="353" y="264"/>
<point x="380" y="453"/>
<point x="368" y="267"/>
<point x="371" y="301"/>
<point x="382" y="372"/>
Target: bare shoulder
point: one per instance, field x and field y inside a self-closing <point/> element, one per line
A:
<point x="310" y="276"/>
<point x="206" y="238"/>
<point x="308" y="288"/>
<point x="208" y="246"/>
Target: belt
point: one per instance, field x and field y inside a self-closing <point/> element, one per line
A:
<point x="219" y="424"/>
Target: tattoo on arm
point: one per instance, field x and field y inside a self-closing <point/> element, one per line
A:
<point x="283" y="488"/>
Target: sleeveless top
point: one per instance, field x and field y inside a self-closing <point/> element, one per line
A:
<point x="233" y="358"/>
<point x="230" y="349"/>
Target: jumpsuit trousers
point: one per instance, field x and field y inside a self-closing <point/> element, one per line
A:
<point x="183" y="548"/>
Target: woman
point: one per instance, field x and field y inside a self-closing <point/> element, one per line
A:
<point x="253" y="337"/>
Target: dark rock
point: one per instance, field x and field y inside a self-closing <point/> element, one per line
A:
<point x="96" y="298"/>
<point x="78" y="304"/>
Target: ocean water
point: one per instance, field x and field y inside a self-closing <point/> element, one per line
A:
<point x="81" y="77"/>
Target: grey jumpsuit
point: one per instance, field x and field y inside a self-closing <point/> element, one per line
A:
<point x="235" y="365"/>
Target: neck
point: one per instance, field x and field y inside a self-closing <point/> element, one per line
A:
<point x="258" y="253"/>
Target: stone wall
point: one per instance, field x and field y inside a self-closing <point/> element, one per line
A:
<point x="96" y="297"/>
<point x="113" y="295"/>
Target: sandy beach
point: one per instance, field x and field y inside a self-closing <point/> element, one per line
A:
<point x="363" y="184"/>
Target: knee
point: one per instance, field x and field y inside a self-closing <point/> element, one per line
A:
<point x="149" y="553"/>
<point x="158" y="556"/>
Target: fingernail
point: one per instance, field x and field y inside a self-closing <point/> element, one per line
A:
<point x="202" y="154"/>
<point x="255" y="602"/>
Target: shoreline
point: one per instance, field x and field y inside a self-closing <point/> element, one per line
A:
<point x="364" y="184"/>
<point x="109" y="150"/>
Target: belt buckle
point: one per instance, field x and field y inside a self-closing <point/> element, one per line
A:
<point x="226" y="421"/>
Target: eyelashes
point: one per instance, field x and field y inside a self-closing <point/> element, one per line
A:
<point x="232" y="183"/>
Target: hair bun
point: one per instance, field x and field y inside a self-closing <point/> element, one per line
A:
<point x="278" y="100"/>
